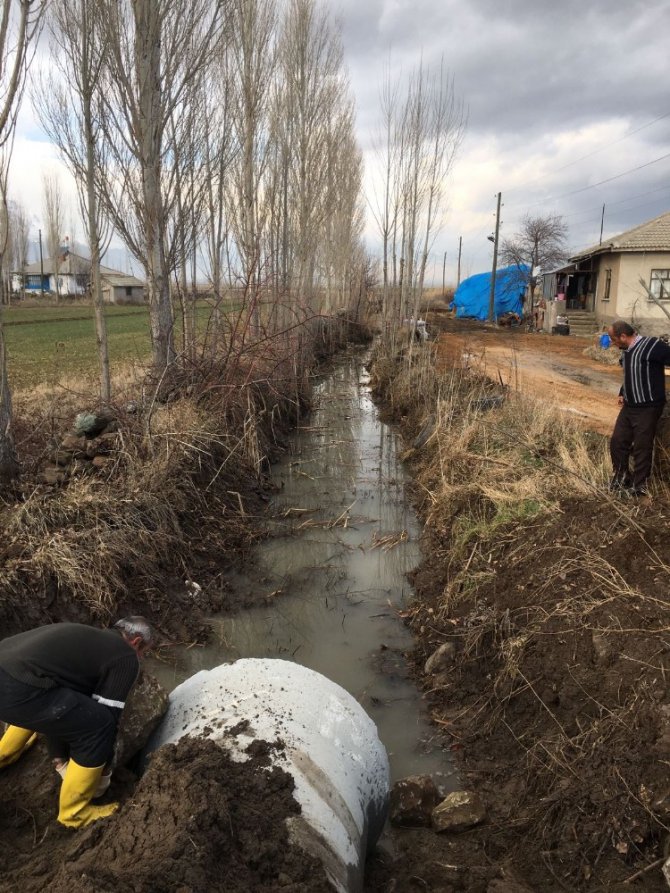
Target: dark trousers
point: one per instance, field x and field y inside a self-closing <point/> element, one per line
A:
<point x="74" y="724"/>
<point x="633" y="434"/>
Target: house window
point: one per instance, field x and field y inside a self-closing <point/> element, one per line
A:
<point x="129" y="291"/>
<point x="608" y="285"/>
<point x="660" y="284"/>
<point x="33" y="281"/>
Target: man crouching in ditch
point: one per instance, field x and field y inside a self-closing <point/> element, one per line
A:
<point x="69" y="682"/>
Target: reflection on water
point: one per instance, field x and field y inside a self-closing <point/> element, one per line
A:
<point x="334" y="572"/>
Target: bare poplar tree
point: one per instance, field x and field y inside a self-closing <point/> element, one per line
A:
<point x="54" y="219"/>
<point x="314" y="177"/>
<point x="422" y="128"/>
<point x="540" y="244"/>
<point x="383" y="201"/>
<point x="16" y="254"/>
<point x="20" y="22"/>
<point x="188" y="129"/>
<point x="311" y="95"/>
<point x="252" y="63"/>
<point x="219" y="150"/>
<point x="156" y="52"/>
<point x="67" y="102"/>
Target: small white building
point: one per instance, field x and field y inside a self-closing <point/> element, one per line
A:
<point x="70" y="276"/>
<point x="613" y="280"/>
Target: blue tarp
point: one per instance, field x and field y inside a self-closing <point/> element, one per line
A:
<point x="472" y="295"/>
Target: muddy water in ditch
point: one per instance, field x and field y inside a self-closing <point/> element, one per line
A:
<point x="333" y="572"/>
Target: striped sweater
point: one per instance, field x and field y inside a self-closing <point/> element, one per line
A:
<point x="643" y="372"/>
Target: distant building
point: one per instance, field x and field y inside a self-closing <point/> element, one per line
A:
<point x="604" y="280"/>
<point x="70" y="276"/>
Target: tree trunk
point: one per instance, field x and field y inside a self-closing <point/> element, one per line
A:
<point x="9" y="465"/>
<point x="148" y="61"/>
<point x="93" y="231"/>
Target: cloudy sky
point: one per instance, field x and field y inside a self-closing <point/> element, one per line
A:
<point x="561" y="96"/>
<point x="568" y="109"/>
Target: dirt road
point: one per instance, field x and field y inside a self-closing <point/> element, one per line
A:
<point x="546" y="367"/>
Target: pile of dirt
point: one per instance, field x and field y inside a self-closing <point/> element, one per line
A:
<point x="557" y="703"/>
<point x="196" y="821"/>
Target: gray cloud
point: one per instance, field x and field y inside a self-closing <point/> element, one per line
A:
<point x="533" y="74"/>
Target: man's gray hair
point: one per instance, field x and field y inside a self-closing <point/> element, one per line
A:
<point x="137" y="626"/>
<point x="621" y="327"/>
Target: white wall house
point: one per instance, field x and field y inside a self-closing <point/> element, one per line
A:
<point x="611" y="279"/>
<point x="70" y="276"/>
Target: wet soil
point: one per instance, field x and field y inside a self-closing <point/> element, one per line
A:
<point x="557" y="710"/>
<point x="549" y="367"/>
<point x="557" y="706"/>
<point x="196" y="821"/>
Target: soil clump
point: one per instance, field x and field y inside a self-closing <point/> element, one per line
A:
<point x="196" y="821"/>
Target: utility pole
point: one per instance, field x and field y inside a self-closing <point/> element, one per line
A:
<point x="460" y="246"/>
<point x="492" y="315"/>
<point x="602" y="221"/>
<point x="444" y="268"/>
<point x="41" y="264"/>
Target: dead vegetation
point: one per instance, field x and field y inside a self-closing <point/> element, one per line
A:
<point x="180" y="494"/>
<point x="555" y="594"/>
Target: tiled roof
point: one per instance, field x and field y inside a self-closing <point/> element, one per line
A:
<point x="651" y="236"/>
<point x="122" y="280"/>
<point x="72" y="264"/>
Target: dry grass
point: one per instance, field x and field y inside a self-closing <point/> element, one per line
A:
<point x="561" y="630"/>
<point x="182" y="488"/>
<point x="489" y="460"/>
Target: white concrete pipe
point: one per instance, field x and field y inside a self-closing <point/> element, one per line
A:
<point x="340" y="767"/>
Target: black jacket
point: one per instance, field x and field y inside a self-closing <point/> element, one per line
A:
<point x="95" y="662"/>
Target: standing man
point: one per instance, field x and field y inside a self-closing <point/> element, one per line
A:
<point x="641" y="398"/>
<point x="69" y="682"/>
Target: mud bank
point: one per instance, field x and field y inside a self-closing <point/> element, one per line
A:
<point x="176" y="486"/>
<point x="557" y="704"/>
<point x="197" y="821"/>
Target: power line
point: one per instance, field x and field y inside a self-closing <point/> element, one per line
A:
<point x="590" y="211"/>
<point x="631" y="170"/>
<point x="589" y="154"/>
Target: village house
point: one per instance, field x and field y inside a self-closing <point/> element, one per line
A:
<point x="610" y="281"/>
<point x="70" y="276"/>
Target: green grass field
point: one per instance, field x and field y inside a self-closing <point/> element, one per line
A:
<point x="46" y="344"/>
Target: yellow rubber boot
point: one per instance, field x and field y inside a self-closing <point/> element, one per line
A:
<point x="77" y="790"/>
<point x="13" y="743"/>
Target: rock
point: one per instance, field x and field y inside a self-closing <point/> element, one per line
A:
<point x="425" y="434"/>
<point x="601" y="648"/>
<point x="441" y="659"/>
<point x="413" y="800"/>
<point x="484" y="404"/>
<point x="145" y="706"/>
<point x="52" y="474"/>
<point x="662" y="743"/>
<point x="458" y="812"/>
<point x="109" y="439"/>
<point x="62" y="457"/>
<point x="666" y="871"/>
<point x="660" y="806"/>
<point x="73" y="442"/>
<point x="90" y="424"/>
